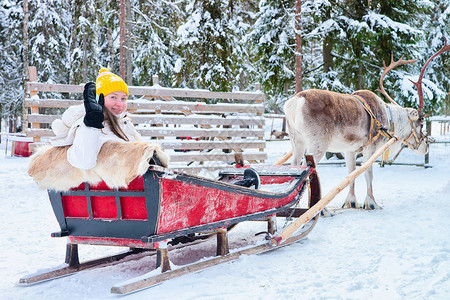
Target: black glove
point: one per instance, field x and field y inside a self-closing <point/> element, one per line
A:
<point x="94" y="111"/>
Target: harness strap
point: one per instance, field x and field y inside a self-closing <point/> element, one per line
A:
<point x="380" y="129"/>
<point x="391" y="131"/>
<point x="412" y="134"/>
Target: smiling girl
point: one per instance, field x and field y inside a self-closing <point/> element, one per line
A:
<point x="102" y="118"/>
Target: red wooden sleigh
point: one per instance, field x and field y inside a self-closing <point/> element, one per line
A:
<point x="163" y="205"/>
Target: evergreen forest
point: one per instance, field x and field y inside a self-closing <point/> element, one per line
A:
<point x="227" y="45"/>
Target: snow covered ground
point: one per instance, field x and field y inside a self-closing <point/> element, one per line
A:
<point x="399" y="252"/>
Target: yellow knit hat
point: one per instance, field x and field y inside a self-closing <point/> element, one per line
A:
<point x="108" y="82"/>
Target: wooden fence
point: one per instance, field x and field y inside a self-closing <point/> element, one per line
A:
<point x="200" y="129"/>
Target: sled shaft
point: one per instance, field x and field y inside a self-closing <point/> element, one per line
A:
<point x="284" y="159"/>
<point x="313" y="211"/>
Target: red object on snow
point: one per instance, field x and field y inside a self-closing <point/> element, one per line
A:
<point x="21" y="149"/>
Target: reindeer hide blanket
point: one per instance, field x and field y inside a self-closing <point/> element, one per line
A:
<point x="118" y="163"/>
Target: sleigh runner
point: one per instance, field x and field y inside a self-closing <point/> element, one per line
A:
<point x="165" y="206"/>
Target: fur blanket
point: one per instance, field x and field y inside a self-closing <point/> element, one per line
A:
<point x="118" y="164"/>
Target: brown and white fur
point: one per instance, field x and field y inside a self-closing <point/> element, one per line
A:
<point x="321" y="121"/>
<point x="118" y="163"/>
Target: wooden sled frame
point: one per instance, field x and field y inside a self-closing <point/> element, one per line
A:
<point x="130" y="232"/>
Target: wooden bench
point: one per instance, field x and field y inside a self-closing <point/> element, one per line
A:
<point x="199" y="129"/>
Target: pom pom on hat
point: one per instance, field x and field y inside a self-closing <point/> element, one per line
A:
<point x="108" y="82"/>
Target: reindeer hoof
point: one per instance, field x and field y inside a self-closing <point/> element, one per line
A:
<point x="325" y="213"/>
<point x="371" y="207"/>
<point x="370" y="204"/>
<point x="351" y="204"/>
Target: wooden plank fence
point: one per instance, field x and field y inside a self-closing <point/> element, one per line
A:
<point x="200" y="129"/>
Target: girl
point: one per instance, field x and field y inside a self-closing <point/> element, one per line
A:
<point x="87" y="127"/>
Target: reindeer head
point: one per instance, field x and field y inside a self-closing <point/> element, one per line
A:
<point x="417" y="141"/>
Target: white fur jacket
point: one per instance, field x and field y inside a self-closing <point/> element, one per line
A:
<point x="84" y="154"/>
<point x="86" y="142"/>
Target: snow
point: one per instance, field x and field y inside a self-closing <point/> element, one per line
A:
<point x="178" y="65"/>
<point x="383" y="21"/>
<point x="399" y="252"/>
<point x="429" y="88"/>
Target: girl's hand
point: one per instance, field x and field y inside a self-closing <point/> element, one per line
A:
<point x="94" y="111"/>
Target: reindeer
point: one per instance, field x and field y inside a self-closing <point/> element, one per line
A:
<point x="321" y="121"/>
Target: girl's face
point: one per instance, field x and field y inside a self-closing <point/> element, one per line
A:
<point x="116" y="102"/>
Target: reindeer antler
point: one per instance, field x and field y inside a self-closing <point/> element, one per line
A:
<point x="393" y="65"/>
<point x="418" y="84"/>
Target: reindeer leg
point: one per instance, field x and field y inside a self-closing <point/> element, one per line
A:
<point x="298" y="149"/>
<point x="326" y="213"/>
<point x="369" y="202"/>
<point x="319" y="153"/>
<point x="350" y="201"/>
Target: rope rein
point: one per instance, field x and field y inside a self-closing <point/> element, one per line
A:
<point x="416" y="138"/>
